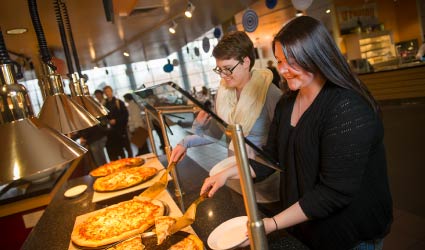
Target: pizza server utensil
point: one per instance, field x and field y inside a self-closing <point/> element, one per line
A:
<point x="189" y="216"/>
<point x="160" y="185"/>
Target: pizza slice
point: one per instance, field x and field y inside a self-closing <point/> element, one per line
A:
<point x="163" y="226"/>
<point x="115" y="166"/>
<point x="134" y="243"/>
<point x="191" y="242"/>
<point x="124" y="179"/>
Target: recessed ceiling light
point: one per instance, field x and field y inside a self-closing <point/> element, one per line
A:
<point x="328" y="11"/>
<point x="16" y="31"/>
<point x="126" y="54"/>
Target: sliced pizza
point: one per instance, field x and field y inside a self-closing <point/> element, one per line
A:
<point x="163" y="226"/>
<point x="117" y="222"/>
<point x="191" y="242"/>
<point x="134" y="243"/>
<point x="124" y="179"/>
<point x="115" y="166"/>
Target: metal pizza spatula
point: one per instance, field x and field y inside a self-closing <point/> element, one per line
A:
<point x="160" y="185"/>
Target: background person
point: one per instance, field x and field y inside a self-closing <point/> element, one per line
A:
<point x="328" y="138"/>
<point x="204" y="97"/>
<point x="276" y="76"/>
<point x="136" y="122"/>
<point x="98" y="94"/>
<point x="118" y="120"/>
<point x="420" y="55"/>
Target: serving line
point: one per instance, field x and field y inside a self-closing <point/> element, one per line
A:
<point x="53" y="231"/>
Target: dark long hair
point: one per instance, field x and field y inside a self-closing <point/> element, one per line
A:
<point x="307" y="42"/>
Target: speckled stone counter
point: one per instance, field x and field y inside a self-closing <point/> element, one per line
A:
<point x="53" y="231"/>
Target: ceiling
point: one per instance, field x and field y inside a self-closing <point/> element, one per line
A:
<point x="140" y="27"/>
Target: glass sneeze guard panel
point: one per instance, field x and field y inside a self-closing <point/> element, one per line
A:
<point x="170" y="96"/>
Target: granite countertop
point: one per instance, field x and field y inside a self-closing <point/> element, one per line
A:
<point x="53" y="231"/>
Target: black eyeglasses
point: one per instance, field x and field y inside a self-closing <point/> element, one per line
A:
<point x="226" y="72"/>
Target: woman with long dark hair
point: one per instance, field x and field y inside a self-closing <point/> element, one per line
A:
<point x="328" y="137"/>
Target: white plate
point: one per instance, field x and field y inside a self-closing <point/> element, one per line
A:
<point x="75" y="191"/>
<point x="229" y="234"/>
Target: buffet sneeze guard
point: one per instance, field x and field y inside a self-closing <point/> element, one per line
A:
<point x="163" y="103"/>
<point x="159" y="105"/>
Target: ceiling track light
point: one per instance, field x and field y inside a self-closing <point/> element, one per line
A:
<point x="173" y="27"/>
<point x="189" y="10"/>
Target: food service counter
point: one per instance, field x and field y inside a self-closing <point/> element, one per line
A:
<point x="397" y="82"/>
<point x="53" y="230"/>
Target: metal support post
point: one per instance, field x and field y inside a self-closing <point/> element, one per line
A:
<point x="167" y="148"/>
<point x="149" y="124"/>
<point x="256" y="233"/>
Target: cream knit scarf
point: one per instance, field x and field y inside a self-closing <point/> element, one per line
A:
<point x="251" y="101"/>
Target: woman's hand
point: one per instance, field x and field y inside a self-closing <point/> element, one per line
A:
<point x="213" y="183"/>
<point x="178" y="153"/>
<point x="203" y="117"/>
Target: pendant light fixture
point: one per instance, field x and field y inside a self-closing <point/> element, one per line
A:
<point x="29" y="147"/>
<point x="81" y="93"/>
<point x="58" y="111"/>
<point x="76" y="80"/>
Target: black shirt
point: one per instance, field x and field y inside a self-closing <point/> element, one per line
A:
<point x="334" y="165"/>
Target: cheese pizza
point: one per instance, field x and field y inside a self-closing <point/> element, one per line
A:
<point x="191" y="242"/>
<point x="163" y="225"/>
<point x="117" y="222"/>
<point x="115" y="166"/>
<point x="124" y="179"/>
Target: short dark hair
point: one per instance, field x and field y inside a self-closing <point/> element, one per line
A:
<point x="235" y="45"/>
<point x="107" y="87"/>
<point x="98" y="91"/>
<point x="128" y="97"/>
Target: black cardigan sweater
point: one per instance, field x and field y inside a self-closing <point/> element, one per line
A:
<point x="334" y="164"/>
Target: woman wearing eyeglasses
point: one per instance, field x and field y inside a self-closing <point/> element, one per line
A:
<point x="328" y="137"/>
<point x="246" y="96"/>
